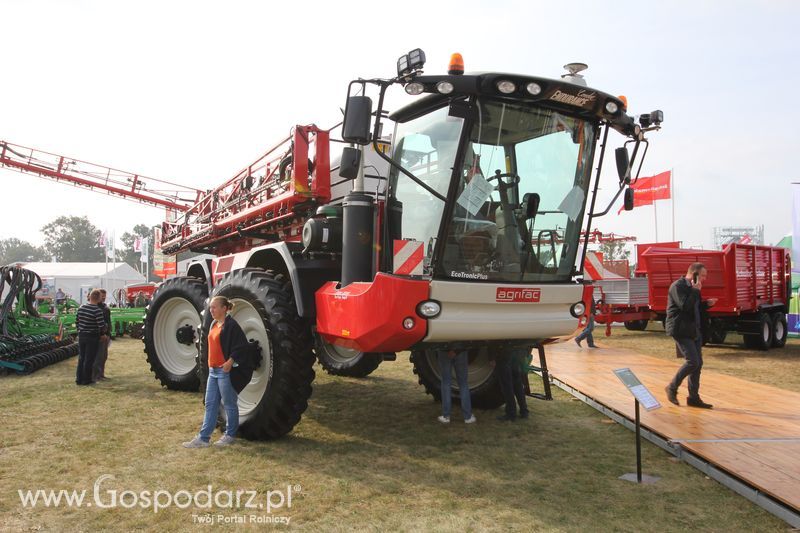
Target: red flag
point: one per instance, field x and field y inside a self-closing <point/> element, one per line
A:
<point x="649" y="189"/>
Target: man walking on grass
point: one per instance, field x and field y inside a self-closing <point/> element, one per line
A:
<point x="683" y="324"/>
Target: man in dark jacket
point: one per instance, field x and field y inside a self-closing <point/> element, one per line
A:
<point x="684" y="306"/>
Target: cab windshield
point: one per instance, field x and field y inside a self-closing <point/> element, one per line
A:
<point x="520" y="197"/>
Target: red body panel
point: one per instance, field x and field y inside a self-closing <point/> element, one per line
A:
<point x="743" y="277"/>
<point x="369" y="316"/>
<point x="641" y="268"/>
<point x="147" y="289"/>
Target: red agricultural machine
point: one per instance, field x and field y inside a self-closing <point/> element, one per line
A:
<point x="752" y="283"/>
<point x="461" y="230"/>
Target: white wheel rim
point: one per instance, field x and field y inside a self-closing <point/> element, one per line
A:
<point x="478" y="371"/>
<point x="765" y="332"/>
<point x="779" y="330"/>
<point x="177" y="358"/>
<point x="249" y="319"/>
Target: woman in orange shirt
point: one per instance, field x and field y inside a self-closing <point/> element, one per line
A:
<point x="224" y="337"/>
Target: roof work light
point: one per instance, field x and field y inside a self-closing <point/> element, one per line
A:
<point x="411" y="62"/>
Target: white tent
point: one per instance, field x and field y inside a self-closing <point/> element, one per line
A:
<point x="76" y="279"/>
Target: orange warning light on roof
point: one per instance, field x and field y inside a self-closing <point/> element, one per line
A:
<point x="456" y="64"/>
<point x="624" y="102"/>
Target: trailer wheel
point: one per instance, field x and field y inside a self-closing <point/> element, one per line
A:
<point x="277" y="395"/>
<point x="780" y="330"/>
<point x="484" y="387"/>
<point x="636" y="325"/>
<point x="763" y="339"/>
<point x="341" y="361"/>
<point x="169" y="325"/>
<point x="716" y="335"/>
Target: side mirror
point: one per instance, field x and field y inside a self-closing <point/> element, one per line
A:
<point x="357" y="115"/>
<point x="351" y="160"/>
<point x="531" y="201"/>
<point x="628" y="199"/>
<point x="623" y="160"/>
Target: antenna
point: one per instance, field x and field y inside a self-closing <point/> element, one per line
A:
<point x="573" y="76"/>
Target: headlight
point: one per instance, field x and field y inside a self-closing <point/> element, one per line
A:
<point x="408" y="323"/>
<point x="506" y="87"/>
<point x="444" y="87"/>
<point x="533" y="88"/>
<point x="578" y="309"/>
<point x="612" y="107"/>
<point x="414" y="88"/>
<point x="429" y="309"/>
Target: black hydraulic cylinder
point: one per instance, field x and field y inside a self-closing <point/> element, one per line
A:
<point x="357" y="237"/>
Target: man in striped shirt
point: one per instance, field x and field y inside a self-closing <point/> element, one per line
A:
<point x="91" y="331"/>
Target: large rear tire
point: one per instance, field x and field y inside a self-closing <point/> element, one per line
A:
<point x="341" y="361"/>
<point x="170" y="323"/>
<point x="484" y="387"/>
<point x="277" y="395"/>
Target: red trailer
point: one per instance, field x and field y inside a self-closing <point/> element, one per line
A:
<point x="752" y="284"/>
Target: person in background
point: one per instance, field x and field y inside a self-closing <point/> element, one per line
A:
<point x="509" y="367"/>
<point x="139" y="301"/>
<point x="91" y="327"/>
<point x="227" y="345"/>
<point x="448" y="361"/>
<point x="684" y="305"/>
<point x="589" y="329"/>
<point x="60" y="297"/>
<point x="99" y="368"/>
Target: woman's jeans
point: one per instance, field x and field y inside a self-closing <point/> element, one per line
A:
<point x="460" y="363"/>
<point x="587" y="332"/>
<point x="219" y="387"/>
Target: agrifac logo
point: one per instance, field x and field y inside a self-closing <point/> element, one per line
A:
<point x="103" y="496"/>
<point x="514" y="295"/>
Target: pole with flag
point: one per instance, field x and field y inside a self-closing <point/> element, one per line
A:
<point x="647" y="190"/>
<point x="672" y="192"/>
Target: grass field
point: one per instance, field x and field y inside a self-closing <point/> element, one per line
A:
<point x="368" y="454"/>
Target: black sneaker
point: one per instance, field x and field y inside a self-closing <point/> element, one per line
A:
<point x="672" y="395"/>
<point x="577" y="342"/>
<point x="506" y="418"/>
<point x="697" y="402"/>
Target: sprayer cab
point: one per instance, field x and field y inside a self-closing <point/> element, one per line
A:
<point x="486" y="197"/>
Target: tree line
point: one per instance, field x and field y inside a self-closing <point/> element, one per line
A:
<point x="75" y="239"/>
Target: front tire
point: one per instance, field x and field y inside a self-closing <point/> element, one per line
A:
<point x="484" y="387"/>
<point x="169" y="325"/>
<point x="277" y="395"/>
<point x="341" y="361"/>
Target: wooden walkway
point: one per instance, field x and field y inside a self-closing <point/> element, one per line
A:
<point x="752" y="434"/>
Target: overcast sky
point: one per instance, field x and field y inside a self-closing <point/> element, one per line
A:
<point x="192" y="91"/>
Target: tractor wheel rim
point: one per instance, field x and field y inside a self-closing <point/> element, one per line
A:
<point x="765" y="332"/>
<point x="340" y="354"/>
<point x="478" y="372"/>
<point x="251" y="322"/>
<point x="177" y="358"/>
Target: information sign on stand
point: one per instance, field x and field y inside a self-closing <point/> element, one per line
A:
<point x="642" y="396"/>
